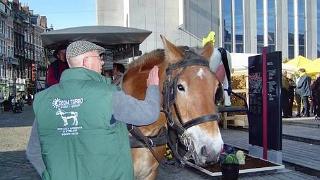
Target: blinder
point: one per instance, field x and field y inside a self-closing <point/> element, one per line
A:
<point x="219" y="95"/>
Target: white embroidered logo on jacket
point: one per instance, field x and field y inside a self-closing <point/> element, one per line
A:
<point x="65" y="116"/>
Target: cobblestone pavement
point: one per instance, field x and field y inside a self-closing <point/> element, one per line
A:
<point x="14" y="134"/>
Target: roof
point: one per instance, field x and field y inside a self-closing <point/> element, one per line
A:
<point x="102" y="35"/>
<point x="121" y="40"/>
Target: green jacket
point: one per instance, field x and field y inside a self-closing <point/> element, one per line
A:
<point x="76" y="137"/>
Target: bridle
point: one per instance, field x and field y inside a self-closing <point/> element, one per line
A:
<point x="177" y="137"/>
<point x="177" y="129"/>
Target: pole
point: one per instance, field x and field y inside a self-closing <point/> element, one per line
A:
<point x="36" y="75"/>
<point x="264" y="104"/>
<point x="15" y="73"/>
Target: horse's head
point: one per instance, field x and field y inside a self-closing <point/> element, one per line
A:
<point x="189" y="99"/>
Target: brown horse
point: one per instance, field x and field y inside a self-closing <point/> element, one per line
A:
<point x="195" y="87"/>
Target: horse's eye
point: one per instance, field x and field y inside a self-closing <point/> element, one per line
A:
<point x="180" y="87"/>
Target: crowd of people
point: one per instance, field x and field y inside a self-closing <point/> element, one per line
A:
<point x="303" y="91"/>
<point x="60" y="64"/>
<point x="15" y="102"/>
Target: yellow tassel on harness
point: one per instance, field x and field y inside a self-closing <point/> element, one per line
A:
<point x="211" y="37"/>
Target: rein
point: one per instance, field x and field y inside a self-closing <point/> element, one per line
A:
<point x="142" y="141"/>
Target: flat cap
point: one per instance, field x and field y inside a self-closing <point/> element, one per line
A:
<point x="80" y="47"/>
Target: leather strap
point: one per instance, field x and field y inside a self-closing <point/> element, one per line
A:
<point x="224" y="59"/>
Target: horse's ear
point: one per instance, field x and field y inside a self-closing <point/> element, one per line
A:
<point x="173" y="54"/>
<point x="207" y="50"/>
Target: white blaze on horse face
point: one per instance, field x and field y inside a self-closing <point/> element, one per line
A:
<point x="201" y="73"/>
<point x="201" y="138"/>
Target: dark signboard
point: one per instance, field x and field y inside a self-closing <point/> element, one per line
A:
<point x="274" y="69"/>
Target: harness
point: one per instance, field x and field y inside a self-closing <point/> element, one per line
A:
<point x="179" y="140"/>
<point x="224" y="60"/>
<point x="176" y="136"/>
<point x="138" y="140"/>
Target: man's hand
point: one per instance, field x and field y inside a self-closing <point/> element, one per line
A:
<point x="153" y="78"/>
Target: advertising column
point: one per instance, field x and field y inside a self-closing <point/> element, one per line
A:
<point x="274" y="121"/>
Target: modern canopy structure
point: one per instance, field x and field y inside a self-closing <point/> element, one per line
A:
<point x="121" y="42"/>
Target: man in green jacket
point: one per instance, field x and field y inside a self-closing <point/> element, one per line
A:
<point x="80" y="130"/>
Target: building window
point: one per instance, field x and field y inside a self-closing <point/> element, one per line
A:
<point x="238" y="29"/>
<point x="227" y="25"/>
<point x="1" y="26"/>
<point x="301" y="26"/>
<point x="271" y="25"/>
<point x="1" y="71"/>
<point x="290" y="29"/>
<point x="239" y="25"/>
<point x="318" y="28"/>
<point x="259" y="26"/>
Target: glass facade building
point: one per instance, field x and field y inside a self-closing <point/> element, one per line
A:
<point x="280" y="25"/>
<point x="285" y="29"/>
<point x="241" y="26"/>
<point x="318" y="29"/>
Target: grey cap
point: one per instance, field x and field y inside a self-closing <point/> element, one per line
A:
<point x="80" y="47"/>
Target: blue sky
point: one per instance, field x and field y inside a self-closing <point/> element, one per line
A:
<point x="65" y="13"/>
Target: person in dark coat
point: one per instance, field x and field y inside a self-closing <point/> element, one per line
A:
<point x="297" y="98"/>
<point x="292" y="86"/>
<point x="304" y="90"/>
<point x="284" y="95"/>
<point x="316" y="97"/>
<point x="56" y="68"/>
<point x="117" y="72"/>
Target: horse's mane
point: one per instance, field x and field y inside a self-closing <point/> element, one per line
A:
<point x="152" y="58"/>
<point x="155" y="57"/>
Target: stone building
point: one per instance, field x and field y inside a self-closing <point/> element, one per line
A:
<point x="22" y="60"/>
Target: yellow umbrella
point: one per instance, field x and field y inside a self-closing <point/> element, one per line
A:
<point x="289" y="68"/>
<point x="313" y="67"/>
<point x="298" y="62"/>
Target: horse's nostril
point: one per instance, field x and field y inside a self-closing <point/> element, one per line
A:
<point x="204" y="151"/>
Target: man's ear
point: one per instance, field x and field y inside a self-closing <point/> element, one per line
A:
<point x="86" y="63"/>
